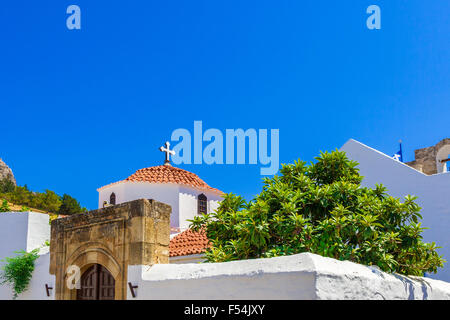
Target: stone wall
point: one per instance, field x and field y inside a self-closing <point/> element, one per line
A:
<point x="426" y="158"/>
<point x="131" y="233"/>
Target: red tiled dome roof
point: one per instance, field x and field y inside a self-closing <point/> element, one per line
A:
<point x="188" y="242"/>
<point x="168" y="174"/>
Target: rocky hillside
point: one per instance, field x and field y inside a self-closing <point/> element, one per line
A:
<point x="6" y="172"/>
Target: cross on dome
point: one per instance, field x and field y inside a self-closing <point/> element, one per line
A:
<point x="168" y="152"/>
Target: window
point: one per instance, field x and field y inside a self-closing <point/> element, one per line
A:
<point x="202" y="204"/>
<point x="112" y="199"/>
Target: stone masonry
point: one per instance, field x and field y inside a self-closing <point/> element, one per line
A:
<point x="131" y="233"/>
<point x="425" y="158"/>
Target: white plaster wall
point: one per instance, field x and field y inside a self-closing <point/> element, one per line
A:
<point x="22" y="231"/>
<point x="128" y="191"/>
<point x="26" y="231"/>
<point x="105" y="193"/>
<point x="36" y="289"/>
<point x="182" y="199"/>
<point x="300" y="276"/>
<point x="38" y="230"/>
<point x="13" y="233"/>
<point x="433" y="193"/>
<point x="189" y="204"/>
<point x="246" y="279"/>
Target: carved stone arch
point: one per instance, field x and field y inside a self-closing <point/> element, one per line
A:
<point x="94" y="253"/>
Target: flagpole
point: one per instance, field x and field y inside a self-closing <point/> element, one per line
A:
<point x="401" y="151"/>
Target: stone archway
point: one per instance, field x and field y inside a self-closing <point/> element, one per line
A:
<point x="85" y="258"/>
<point x="131" y="233"/>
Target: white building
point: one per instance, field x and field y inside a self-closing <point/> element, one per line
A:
<point x="184" y="191"/>
<point x="426" y="178"/>
<point x="26" y="231"/>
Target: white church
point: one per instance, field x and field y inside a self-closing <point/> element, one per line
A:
<point x="184" y="191"/>
<point x="300" y="276"/>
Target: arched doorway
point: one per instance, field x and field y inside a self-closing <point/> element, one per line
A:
<point x="97" y="283"/>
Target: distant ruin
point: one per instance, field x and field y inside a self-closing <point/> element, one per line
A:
<point x="432" y="160"/>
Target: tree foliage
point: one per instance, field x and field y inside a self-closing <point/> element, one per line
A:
<point x="6" y="185"/>
<point x="47" y="201"/>
<point x="69" y="206"/>
<point x="323" y="209"/>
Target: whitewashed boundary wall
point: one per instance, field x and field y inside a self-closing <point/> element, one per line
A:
<point x="300" y="276"/>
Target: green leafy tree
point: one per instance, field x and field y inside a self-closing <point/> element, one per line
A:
<point x="21" y="195"/>
<point x="51" y="202"/>
<point x="6" y="185"/>
<point x="70" y="206"/>
<point x="47" y="201"/>
<point x="323" y="209"/>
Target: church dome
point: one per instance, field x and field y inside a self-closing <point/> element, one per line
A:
<point x="168" y="174"/>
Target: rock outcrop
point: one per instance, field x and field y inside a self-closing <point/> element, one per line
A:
<point x="6" y="172"/>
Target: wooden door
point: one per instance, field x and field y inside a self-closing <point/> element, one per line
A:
<point x="106" y="284"/>
<point x="97" y="283"/>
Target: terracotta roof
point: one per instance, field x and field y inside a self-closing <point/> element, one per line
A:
<point x="188" y="242"/>
<point x="167" y="174"/>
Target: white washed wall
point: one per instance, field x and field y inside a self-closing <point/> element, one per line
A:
<point x="183" y="200"/>
<point x="26" y="231"/>
<point x="22" y="231"/>
<point x="433" y="193"/>
<point x="129" y="191"/>
<point x="300" y="276"/>
<point x="36" y="289"/>
<point x="189" y="204"/>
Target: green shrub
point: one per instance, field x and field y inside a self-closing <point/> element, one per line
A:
<point x="5" y="207"/>
<point x="321" y="208"/>
<point x="18" y="270"/>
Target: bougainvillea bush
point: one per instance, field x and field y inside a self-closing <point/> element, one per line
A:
<point x="323" y="209"/>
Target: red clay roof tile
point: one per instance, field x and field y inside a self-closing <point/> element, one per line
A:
<point x="168" y="174"/>
<point x="188" y="242"/>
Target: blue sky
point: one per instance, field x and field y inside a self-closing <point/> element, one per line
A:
<point x="84" y="108"/>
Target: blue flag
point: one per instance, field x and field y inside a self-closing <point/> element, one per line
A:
<point x="399" y="154"/>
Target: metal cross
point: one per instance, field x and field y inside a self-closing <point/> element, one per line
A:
<point x="168" y="152"/>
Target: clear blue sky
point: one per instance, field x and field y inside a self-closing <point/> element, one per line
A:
<point x="81" y="109"/>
